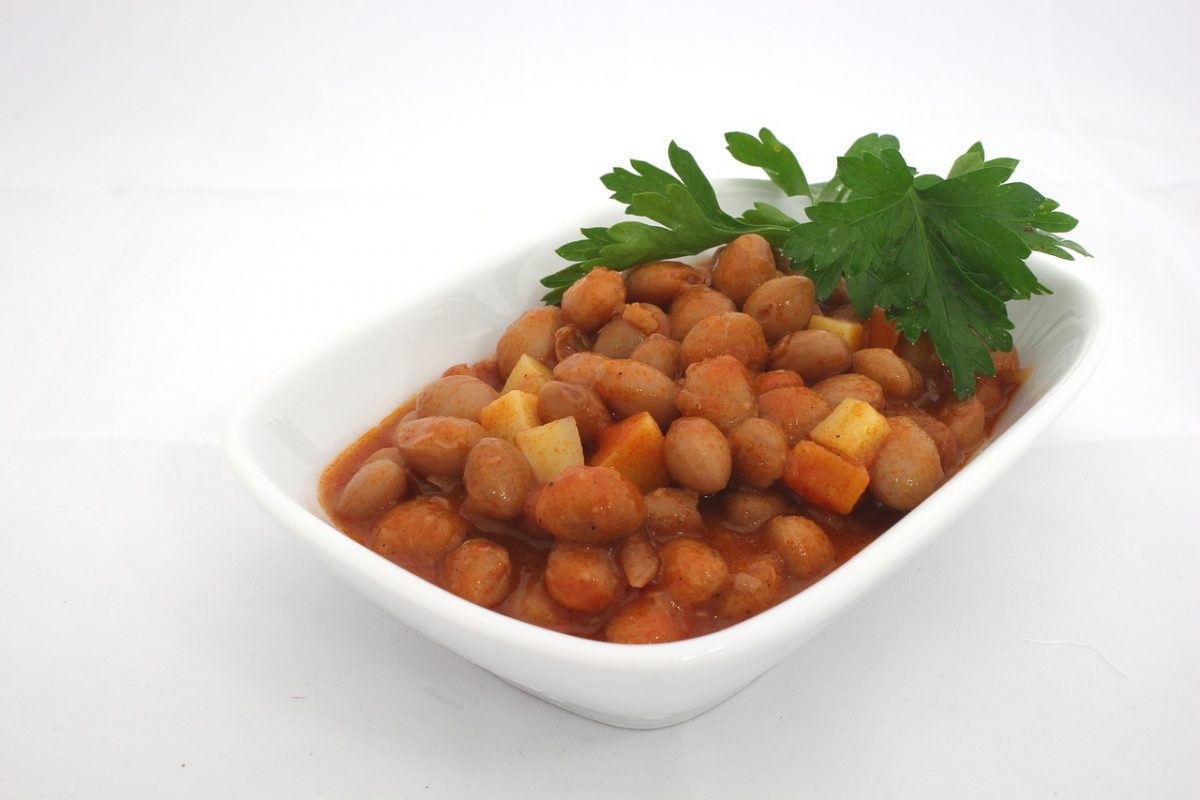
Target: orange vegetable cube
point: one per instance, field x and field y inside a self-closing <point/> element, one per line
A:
<point x="824" y="478"/>
<point x="634" y="447"/>
<point x="880" y="331"/>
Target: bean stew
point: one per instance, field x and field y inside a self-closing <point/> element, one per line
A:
<point x="677" y="448"/>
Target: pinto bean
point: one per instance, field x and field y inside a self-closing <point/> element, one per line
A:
<point x="796" y="411"/>
<point x="375" y="486"/>
<point x="390" y="453"/>
<point x="479" y="570"/>
<point x="569" y="340"/>
<point x="670" y="511"/>
<point x="593" y="299"/>
<point x="746" y="510"/>
<point x="990" y="393"/>
<point x="557" y="400"/>
<point x="497" y="477"/>
<point x="630" y="387"/>
<point x="781" y="305"/>
<point x="943" y="437"/>
<point x="530" y="602"/>
<point x="744" y="264"/>
<point x="753" y="586"/>
<point x="639" y="560"/>
<point x="583" y="578"/>
<point x="814" y="354"/>
<point x="456" y="396"/>
<point x="899" y="379"/>
<point x="531" y="333"/>
<point x="837" y="388"/>
<point x="697" y="455"/>
<point x="731" y="333"/>
<point x="617" y="339"/>
<point x="580" y="368"/>
<point x="590" y="505"/>
<point x="1006" y="362"/>
<point x="759" y="449"/>
<point x="420" y="530"/>
<point x="908" y="468"/>
<point x="804" y="546"/>
<point x="661" y="353"/>
<point x="651" y="619"/>
<point x="718" y="389"/>
<point x="437" y="447"/>
<point x="776" y="379"/>
<point x="647" y="318"/>
<point x="693" y="571"/>
<point x="693" y="305"/>
<point x="966" y="420"/>
<point x="660" y="282"/>
<point x="921" y="354"/>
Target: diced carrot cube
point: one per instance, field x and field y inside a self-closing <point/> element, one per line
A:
<point x="824" y="478"/>
<point x="881" y="332"/>
<point x="634" y="447"/>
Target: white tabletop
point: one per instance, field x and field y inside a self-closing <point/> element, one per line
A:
<point x="193" y="194"/>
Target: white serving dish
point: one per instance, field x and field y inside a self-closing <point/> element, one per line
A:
<point x="283" y="435"/>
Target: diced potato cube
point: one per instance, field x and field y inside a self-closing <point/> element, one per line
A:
<point x="551" y="448"/>
<point x="529" y="375"/>
<point x="634" y="447"/>
<point x="509" y="414"/>
<point x="824" y="478"/>
<point x="854" y="430"/>
<point x="852" y="332"/>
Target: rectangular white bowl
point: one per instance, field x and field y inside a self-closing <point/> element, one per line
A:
<point x="281" y="438"/>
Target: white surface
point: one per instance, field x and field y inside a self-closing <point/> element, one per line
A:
<point x="189" y="197"/>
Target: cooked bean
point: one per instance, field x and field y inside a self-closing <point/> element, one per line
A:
<point x="661" y="353"/>
<point x="837" y="388"/>
<point x="776" y="379"/>
<point x="592" y="300"/>
<point x="617" y="339"/>
<point x="899" y="379"/>
<point x="390" y="453"/>
<point x="781" y="305"/>
<point x="921" y="354"/>
<point x="753" y="586"/>
<point x="647" y="318"/>
<point x="557" y="400"/>
<point x="744" y="264"/>
<point x="730" y="333"/>
<point x="814" y="354"/>
<point x="697" y="455"/>
<point x="990" y="393"/>
<point x="804" y="546"/>
<point x="759" y="451"/>
<point x="530" y="602"/>
<point x="375" y="486"/>
<point x="456" y="396"/>
<point x="1006" y="362"/>
<point x="692" y="570"/>
<point x="943" y="438"/>
<point x="420" y="530"/>
<point x="583" y="578"/>
<point x="650" y="619"/>
<point x="531" y="333"/>
<point x="569" y="340"/>
<point x="580" y="368"/>
<point x="660" y="282"/>
<point x="438" y="446"/>
<point x="845" y="312"/>
<point x="479" y="570"/>
<point x="496" y="477"/>
<point x="670" y="511"/>
<point x="590" y="505"/>
<point x="746" y="510"/>
<point x="796" y="411"/>
<point x="718" y="389"/>
<point x="630" y="387"/>
<point x="639" y="560"/>
<point x="966" y="421"/>
<point x="908" y="468"/>
<point x="693" y="305"/>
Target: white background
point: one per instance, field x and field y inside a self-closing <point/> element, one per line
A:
<point x="191" y="195"/>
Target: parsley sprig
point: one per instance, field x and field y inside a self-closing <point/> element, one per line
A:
<point x="940" y="255"/>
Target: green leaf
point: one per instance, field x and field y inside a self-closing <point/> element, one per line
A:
<point x="773" y="156"/>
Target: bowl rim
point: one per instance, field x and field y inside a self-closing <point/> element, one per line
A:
<point x="814" y="606"/>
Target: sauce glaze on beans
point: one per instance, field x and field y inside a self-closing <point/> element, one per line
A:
<point x="659" y="364"/>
